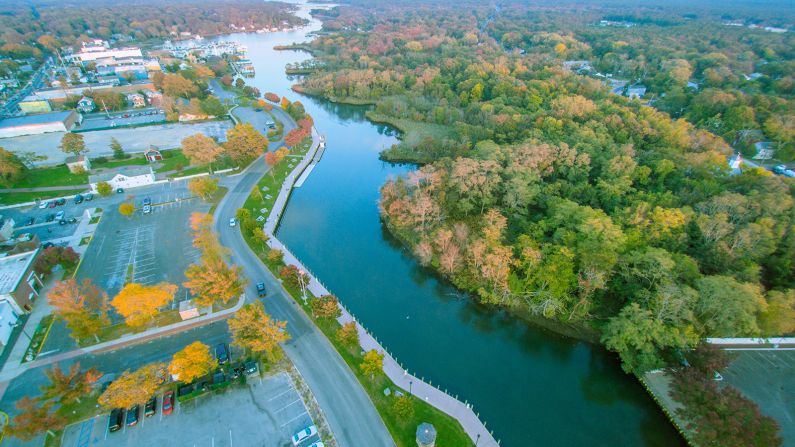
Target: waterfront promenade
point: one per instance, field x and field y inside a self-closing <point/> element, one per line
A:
<point x="463" y="412"/>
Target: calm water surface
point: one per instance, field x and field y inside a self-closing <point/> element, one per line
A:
<point x="531" y="386"/>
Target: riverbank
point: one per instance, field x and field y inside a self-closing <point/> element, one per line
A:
<point x="298" y="88"/>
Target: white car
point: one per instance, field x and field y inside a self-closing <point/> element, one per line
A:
<point x="60" y="215"/>
<point x="304" y="434"/>
<point x="317" y="444"/>
<point x="43" y="205"/>
<point x="232" y="222"/>
<point x="147" y="209"/>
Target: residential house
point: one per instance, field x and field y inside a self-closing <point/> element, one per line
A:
<point x="136" y="100"/>
<point x="152" y="155"/>
<point x="124" y="177"/>
<point x="86" y="105"/>
<point x="154" y="98"/>
<point x="19" y="284"/>
<point x="78" y="163"/>
<point x="39" y="124"/>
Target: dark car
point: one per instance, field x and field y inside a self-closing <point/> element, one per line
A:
<point x="119" y="190"/>
<point x="132" y="415"/>
<point x="251" y="367"/>
<point x="219" y="377"/>
<point x="261" y="288"/>
<point x="222" y="353"/>
<point x="151" y="406"/>
<point x="60" y="201"/>
<point x="30" y="222"/>
<point x="168" y="402"/>
<point x="78" y="199"/>
<point x="52" y="204"/>
<point x="47" y="245"/>
<point x="115" y="419"/>
<point x="88" y="197"/>
<point x="147" y="201"/>
<point x="50" y="217"/>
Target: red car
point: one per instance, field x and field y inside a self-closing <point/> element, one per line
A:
<point x="168" y="402"/>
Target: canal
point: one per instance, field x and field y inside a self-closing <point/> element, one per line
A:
<point x="530" y="385"/>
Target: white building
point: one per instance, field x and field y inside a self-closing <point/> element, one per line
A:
<point x="8" y="319"/>
<point x="124" y="177"/>
<point x="38" y="124"/>
<point x="99" y="49"/>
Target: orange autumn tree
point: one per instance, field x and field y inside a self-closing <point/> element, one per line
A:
<point x="194" y="361"/>
<point x="34" y="417"/>
<point x="82" y="306"/>
<point x="253" y="330"/>
<point x="139" y="304"/>
<point x="134" y="387"/>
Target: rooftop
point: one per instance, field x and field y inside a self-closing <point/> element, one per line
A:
<point x="12" y="267"/>
<point x="127" y="171"/>
<point x="41" y="118"/>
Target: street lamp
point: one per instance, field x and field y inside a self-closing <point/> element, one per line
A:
<point x="477" y="440"/>
<point x="410" y="382"/>
<point x="301" y="282"/>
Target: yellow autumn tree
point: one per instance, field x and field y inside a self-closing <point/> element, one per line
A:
<point x="194" y="361"/>
<point x="252" y="329"/>
<point x="134" y="387"/>
<point x="139" y="304"/>
<point x="213" y="280"/>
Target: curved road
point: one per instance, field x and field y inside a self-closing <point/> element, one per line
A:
<point x="348" y="410"/>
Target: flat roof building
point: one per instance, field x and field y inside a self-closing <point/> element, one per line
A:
<point x="19" y="284"/>
<point x="38" y="124"/>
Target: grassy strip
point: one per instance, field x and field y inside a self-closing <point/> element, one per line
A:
<point x="411" y="129"/>
<point x="51" y="176"/>
<point x="115" y="331"/>
<point x="11" y="198"/>
<point x="450" y="432"/>
<point x="38" y="338"/>
<point x="111" y="163"/>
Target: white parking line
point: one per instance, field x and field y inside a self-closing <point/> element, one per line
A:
<point x="230" y="437"/>
<point x="293" y="419"/>
<point x="281" y="394"/>
<point x="288" y="405"/>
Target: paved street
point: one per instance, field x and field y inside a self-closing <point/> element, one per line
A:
<point x="266" y="412"/>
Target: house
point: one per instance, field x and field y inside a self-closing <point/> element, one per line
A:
<point x="86" y="105"/>
<point x="752" y="76"/>
<point x="636" y="92"/>
<point x="124" y="177"/>
<point x="78" y="163"/>
<point x="19" y="284"/>
<point x="136" y="100"/>
<point x="154" y="98"/>
<point x="39" y="124"/>
<point x="152" y="155"/>
<point x="8" y="320"/>
<point x="6" y="228"/>
<point x="577" y="65"/>
<point x="34" y="104"/>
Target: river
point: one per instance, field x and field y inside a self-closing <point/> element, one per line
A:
<point x="531" y="386"/>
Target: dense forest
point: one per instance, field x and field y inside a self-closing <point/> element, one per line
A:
<point x="28" y="28"/>
<point x="541" y="190"/>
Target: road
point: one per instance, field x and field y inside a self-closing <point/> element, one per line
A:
<point x="10" y="107"/>
<point x="349" y="411"/>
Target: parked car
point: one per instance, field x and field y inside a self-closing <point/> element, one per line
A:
<point x="258" y="109"/>
<point x="168" y="403"/>
<point x="304" y="434"/>
<point x="251" y="367"/>
<point x="52" y="204"/>
<point x="88" y="197"/>
<point x="60" y="201"/>
<point x="151" y="406"/>
<point x="78" y="199"/>
<point x="50" y="218"/>
<point x="119" y="190"/>
<point x="219" y="377"/>
<point x="147" y="201"/>
<point x="30" y="221"/>
<point x="115" y="419"/>
<point x="232" y="222"/>
<point x="147" y="209"/>
<point x="261" y="288"/>
<point x="222" y="353"/>
<point x="43" y="205"/>
<point x="271" y="125"/>
<point x="60" y="215"/>
<point x="132" y="415"/>
<point x="70" y="220"/>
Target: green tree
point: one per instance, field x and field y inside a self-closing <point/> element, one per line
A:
<point x="372" y="363"/>
<point x="73" y="143"/>
<point x="12" y="169"/>
<point x="104" y="189"/>
<point x="118" y="151"/>
<point x="727" y="307"/>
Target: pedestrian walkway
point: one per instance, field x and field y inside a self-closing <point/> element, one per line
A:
<point x="462" y="412"/>
<point x="44" y="188"/>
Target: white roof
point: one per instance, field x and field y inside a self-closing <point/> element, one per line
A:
<point x="12" y="267"/>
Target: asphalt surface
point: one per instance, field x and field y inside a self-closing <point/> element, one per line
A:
<point x="349" y="411"/>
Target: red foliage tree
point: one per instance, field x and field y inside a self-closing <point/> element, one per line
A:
<point x="52" y="256"/>
<point x="272" y="97"/>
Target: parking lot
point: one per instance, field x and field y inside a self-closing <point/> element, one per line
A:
<point x="765" y="376"/>
<point x="266" y="412"/>
<point x="133" y="117"/>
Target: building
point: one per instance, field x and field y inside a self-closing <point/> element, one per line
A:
<point x="39" y="124"/>
<point x="152" y="155"/>
<point x="136" y="100"/>
<point x="19" y="284"/>
<point x="109" y="80"/>
<point x="764" y="150"/>
<point x="154" y="98"/>
<point x="99" y="49"/>
<point x="6" y="228"/>
<point x="78" y="163"/>
<point x="636" y="92"/>
<point x="8" y="320"/>
<point x="33" y="104"/>
<point x="86" y="105"/>
<point x="124" y="177"/>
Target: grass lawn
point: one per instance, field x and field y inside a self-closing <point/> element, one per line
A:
<point x="38" y="338"/>
<point x="51" y="176"/>
<point x="10" y="198"/>
<point x="171" y="159"/>
<point x="411" y="128"/>
<point x="136" y="160"/>
<point x="403" y="430"/>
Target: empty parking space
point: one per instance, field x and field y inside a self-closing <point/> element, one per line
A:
<point x="765" y="376"/>
<point x="266" y="412"/>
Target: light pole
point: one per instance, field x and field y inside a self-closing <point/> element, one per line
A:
<point x="301" y="282"/>
<point x="477" y="440"/>
<point x="410" y="382"/>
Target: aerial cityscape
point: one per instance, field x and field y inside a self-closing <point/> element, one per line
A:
<point x="361" y="223"/>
